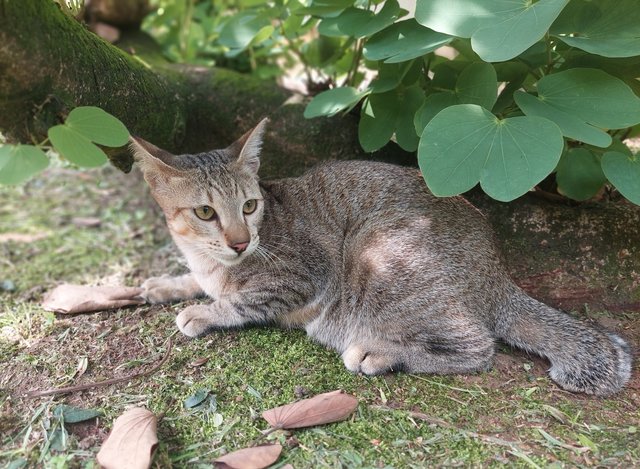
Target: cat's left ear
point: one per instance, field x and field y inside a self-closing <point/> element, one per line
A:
<point x="248" y="148"/>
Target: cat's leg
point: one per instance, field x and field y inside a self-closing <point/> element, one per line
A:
<point x="168" y="289"/>
<point x="197" y="320"/>
<point x="474" y="353"/>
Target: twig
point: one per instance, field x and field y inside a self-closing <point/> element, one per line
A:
<point x="107" y="382"/>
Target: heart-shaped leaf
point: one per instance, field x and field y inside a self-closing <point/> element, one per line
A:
<point x="98" y="126"/>
<point x="357" y="22"/>
<point x="386" y="113"/>
<point x="478" y="84"/>
<point x="75" y="147"/>
<point x="466" y="144"/>
<point x="623" y="171"/>
<point x="579" y="174"/>
<point x="570" y="125"/>
<point x="20" y="162"/>
<point x="403" y="41"/>
<point x="257" y="457"/>
<point x="323" y="408"/>
<point x="131" y="442"/>
<point x="606" y="27"/>
<point x="499" y="30"/>
<point x="591" y="95"/>
<point x="241" y="29"/>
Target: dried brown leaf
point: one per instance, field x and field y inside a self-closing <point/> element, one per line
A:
<point x="86" y="222"/>
<point x="323" y="408"/>
<point x="257" y="457"/>
<point x="69" y="298"/>
<point x="131" y="442"/>
<point x="199" y="362"/>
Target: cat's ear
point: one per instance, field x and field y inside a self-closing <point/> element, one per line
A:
<point x="156" y="164"/>
<point x="246" y="150"/>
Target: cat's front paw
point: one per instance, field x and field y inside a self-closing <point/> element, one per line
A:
<point x="159" y="289"/>
<point x="195" y="320"/>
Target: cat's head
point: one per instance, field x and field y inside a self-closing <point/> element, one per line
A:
<point x="212" y="202"/>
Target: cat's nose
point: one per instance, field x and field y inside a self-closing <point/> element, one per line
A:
<point x="239" y="247"/>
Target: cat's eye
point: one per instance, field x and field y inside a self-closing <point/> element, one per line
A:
<point x="205" y="212"/>
<point x="250" y="206"/>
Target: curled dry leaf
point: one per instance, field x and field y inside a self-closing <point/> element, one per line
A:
<point x="69" y="298"/>
<point x="323" y="408"/>
<point x="257" y="457"/>
<point x="131" y="442"/>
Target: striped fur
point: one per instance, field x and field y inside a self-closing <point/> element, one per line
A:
<point x="368" y="262"/>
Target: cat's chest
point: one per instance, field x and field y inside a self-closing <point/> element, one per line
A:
<point x="213" y="283"/>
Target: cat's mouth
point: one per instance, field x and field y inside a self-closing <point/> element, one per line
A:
<point x="237" y="257"/>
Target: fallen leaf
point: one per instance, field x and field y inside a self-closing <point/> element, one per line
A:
<point x="131" y="442"/>
<point x="257" y="457"/>
<point x="86" y="222"/>
<point x="83" y="364"/>
<point x="21" y="237"/>
<point x="72" y="414"/>
<point x="199" y="362"/>
<point x="196" y="399"/>
<point x="69" y="298"/>
<point x="323" y="408"/>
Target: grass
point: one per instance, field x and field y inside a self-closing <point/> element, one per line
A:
<point x="513" y="415"/>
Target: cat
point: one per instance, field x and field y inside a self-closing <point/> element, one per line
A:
<point x="364" y="258"/>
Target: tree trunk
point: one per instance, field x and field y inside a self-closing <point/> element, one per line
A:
<point x="49" y="64"/>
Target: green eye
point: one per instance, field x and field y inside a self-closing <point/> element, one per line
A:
<point x="205" y="212"/>
<point x="250" y="206"/>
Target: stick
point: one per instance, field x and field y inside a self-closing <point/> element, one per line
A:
<point x="107" y="382"/>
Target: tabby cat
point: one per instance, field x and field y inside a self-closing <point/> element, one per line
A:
<point x="366" y="260"/>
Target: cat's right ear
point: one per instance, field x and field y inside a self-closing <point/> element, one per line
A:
<point x="156" y="164"/>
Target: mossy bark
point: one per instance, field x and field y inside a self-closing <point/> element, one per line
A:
<point x="49" y="64"/>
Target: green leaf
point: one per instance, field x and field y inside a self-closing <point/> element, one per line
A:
<point x="570" y="125"/>
<point x="196" y="399"/>
<point x="72" y="414"/>
<point x="607" y="27"/>
<point x="98" y="126"/>
<point x="624" y="173"/>
<point x="403" y="41"/>
<point x="325" y="8"/>
<point x="517" y="29"/>
<point x="357" y="22"/>
<point x="500" y="29"/>
<point x="20" y="162"/>
<point x="376" y="125"/>
<point x="466" y="144"/>
<point x="478" y="84"/>
<point x="387" y="113"/>
<point x="591" y="95"/>
<point x="75" y="147"/>
<point x="331" y="102"/>
<point x="458" y="18"/>
<point x="390" y="76"/>
<point x="431" y="107"/>
<point x="579" y="174"/>
<point x="239" y="31"/>
<point x="586" y="441"/>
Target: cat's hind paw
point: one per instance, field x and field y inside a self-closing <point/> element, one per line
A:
<point x="368" y="361"/>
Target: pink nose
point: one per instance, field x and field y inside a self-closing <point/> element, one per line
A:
<point x="239" y="247"/>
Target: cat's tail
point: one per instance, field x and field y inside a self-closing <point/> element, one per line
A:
<point x="583" y="358"/>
